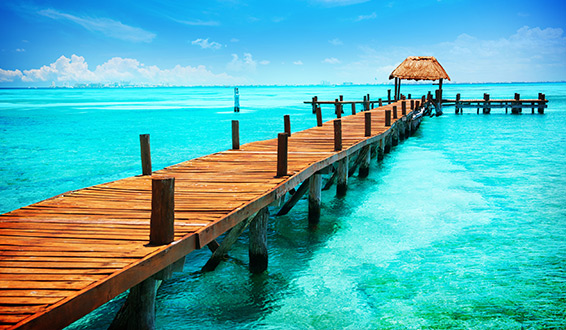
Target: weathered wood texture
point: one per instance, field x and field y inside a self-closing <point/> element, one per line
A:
<point x="65" y="256"/>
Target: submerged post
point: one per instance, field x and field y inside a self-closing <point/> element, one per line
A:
<point x="315" y="186"/>
<point x="516" y="110"/>
<point x="282" y="148"/>
<point x="258" y="242"/>
<point x="235" y="135"/>
<point x="342" y="176"/>
<point x="145" y="154"/>
<point x="366" y="161"/>
<point x="337" y="135"/>
<point x="287" y="124"/>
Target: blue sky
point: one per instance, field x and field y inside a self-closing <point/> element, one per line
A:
<point x="229" y="42"/>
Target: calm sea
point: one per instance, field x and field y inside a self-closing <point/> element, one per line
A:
<point x="463" y="226"/>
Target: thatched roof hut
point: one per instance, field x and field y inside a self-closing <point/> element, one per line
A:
<point x="418" y="68"/>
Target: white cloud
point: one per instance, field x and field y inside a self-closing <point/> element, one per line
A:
<point x="234" y="40"/>
<point x="20" y="50"/>
<point x="264" y="62"/>
<point x="331" y="60"/>
<point x="336" y="42"/>
<point x="117" y="69"/>
<point x="247" y="64"/>
<point x="10" y="75"/>
<point x="204" y="44"/>
<point x="366" y="17"/>
<point x="299" y="62"/>
<point x="106" y="26"/>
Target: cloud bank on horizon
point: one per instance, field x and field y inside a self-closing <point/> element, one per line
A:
<point x="229" y="43"/>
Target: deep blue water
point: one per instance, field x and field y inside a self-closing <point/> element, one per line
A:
<point x="463" y="226"/>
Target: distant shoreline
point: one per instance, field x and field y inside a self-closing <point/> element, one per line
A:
<point x="313" y="85"/>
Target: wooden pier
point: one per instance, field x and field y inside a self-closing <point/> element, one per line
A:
<point x="486" y="104"/>
<point x="63" y="257"/>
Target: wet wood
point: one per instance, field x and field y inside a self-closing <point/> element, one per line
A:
<point x="258" y="242"/>
<point x="145" y="154"/>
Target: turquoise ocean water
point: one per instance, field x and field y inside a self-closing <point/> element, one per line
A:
<point x="463" y="226"/>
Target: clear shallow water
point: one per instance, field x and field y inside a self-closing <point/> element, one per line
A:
<point x="462" y="226"/>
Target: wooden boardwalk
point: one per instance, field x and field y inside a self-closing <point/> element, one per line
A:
<point x="63" y="257"/>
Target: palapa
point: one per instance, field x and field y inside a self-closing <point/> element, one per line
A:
<point x="419" y="68"/>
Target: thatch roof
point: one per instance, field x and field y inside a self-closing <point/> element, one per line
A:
<point x="419" y="68"/>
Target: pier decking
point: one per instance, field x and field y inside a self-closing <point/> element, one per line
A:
<point x="63" y="257"/>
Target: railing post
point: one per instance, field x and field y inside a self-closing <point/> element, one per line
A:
<point x="542" y="99"/>
<point x="337" y="135"/>
<point x="282" y="149"/>
<point x="235" y="135"/>
<point x="287" y="124"/>
<point x="403" y="108"/>
<point x="314" y="103"/>
<point x="337" y="109"/>
<point x="354" y="108"/>
<point x="145" y="154"/>
<point x="380" y="102"/>
<point x="387" y="117"/>
<point x="394" y="112"/>
<point x="318" y="117"/>
<point x="367" y="121"/>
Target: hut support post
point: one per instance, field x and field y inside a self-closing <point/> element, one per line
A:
<point x="342" y="176"/>
<point x="315" y="186"/>
<point x="258" y="242"/>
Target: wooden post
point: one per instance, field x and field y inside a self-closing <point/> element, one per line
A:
<point x="138" y="312"/>
<point x="162" y="230"/>
<point x="287" y="124"/>
<point x="235" y="135"/>
<point x="395" y="135"/>
<point x="236" y="100"/>
<point x="315" y="185"/>
<point x="486" y="108"/>
<point x="337" y="135"/>
<point x="409" y="96"/>
<point x="353" y="108"/>
<point x="380" y="149"/>
<point x="282" y="148"/>
<point x="541" y="103"/>
<point x="337" y="109"/>
<point x="342" y="176"/>
<point x="517" y="102"/>
<point x="366" y="160"/>
<point x="318" y="117"/>
<point x="387" y="117"/>
<point x="314" y="103"/>
<point x="380" y="102"/>
<point x="423" y="100"/>
<point x="412" y="105"/>
<point x="145" y="154"/>
<point x="457" y="103"/>
<point x="367" y="121"/>
<point x="417" y="104"/>
<point x="403" y="108"/>
<point x="394" y="112"/>
<point x="368" y="105"/>
<point x="258" y="242"/>
<point x="389" y="96"/>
